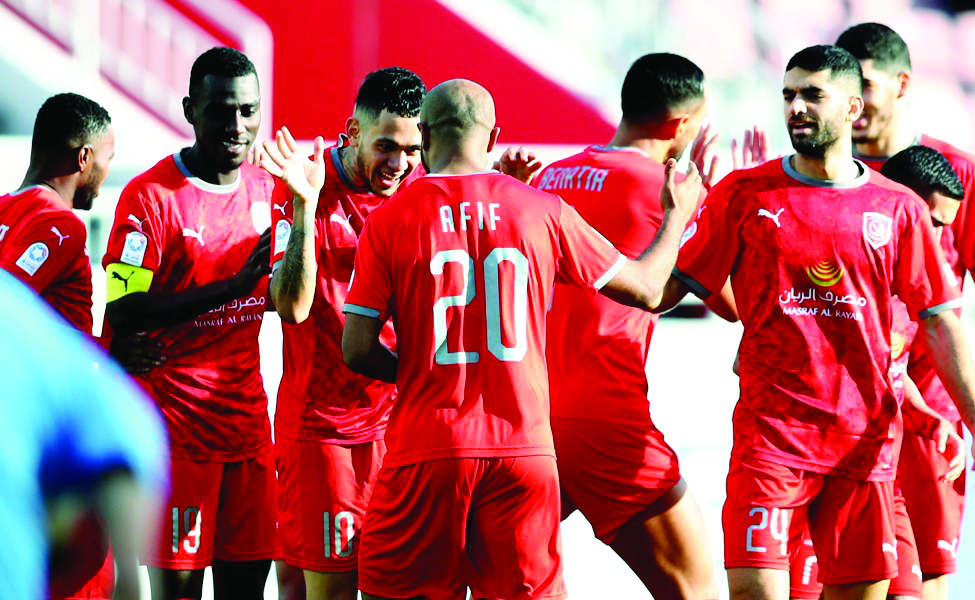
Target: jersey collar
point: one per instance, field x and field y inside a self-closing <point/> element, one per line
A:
<point x="206" y="186"/>
<point x="859" y="180"/>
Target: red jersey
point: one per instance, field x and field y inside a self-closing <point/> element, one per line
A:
<point x="597" y="349"/>
<point x="319" y="398"/>
<point x="190" y="233"/>
<point x="42" y="243"/>
<point x="957" y="241"/>
<point x="466" y="265"/>
<point x="813" y="266"/>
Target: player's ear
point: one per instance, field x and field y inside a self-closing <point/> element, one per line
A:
<point x="352" y="129"/>
<point x="493" y="139"/>
<point x="424" y="136"/>
<point x="855" y="108"/>
<point x="904" y="82"/>
<point x="85" y="158"/>
<point x="188" y="109"/>
<point x="671" y="128"/>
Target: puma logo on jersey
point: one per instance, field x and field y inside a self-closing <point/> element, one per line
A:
<point x="775" y="217"/>
<point x="57" y="232"/>
<point x="138" y="222"/>
<point x="951" y="548"/>
<point x="281" y="207"/>
<point x="343" y="222"/>
<point x="889" y="549"/>
<point x="187" y="232"/>
<point x="124" y="280"/>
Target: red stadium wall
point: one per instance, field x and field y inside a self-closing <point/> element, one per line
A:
<point x="323" y="49"/>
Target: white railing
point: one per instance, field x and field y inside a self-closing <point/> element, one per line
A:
<point x="146" y="47"/>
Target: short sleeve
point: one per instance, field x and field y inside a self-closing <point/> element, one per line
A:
<point x="371" y="285"/>
<point x="46" y="249"/>
<point x="282" y="220"/>
<point x="585" y="258"/>
<point x="710" y="246"/>
<point x="923" y="280"/>
<point x="138" y="234"/>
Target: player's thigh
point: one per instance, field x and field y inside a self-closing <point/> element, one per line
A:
<point x="240" y="580"/>
<point x="765" y="513"/>
<point x="331" y="586"/>
<point x="188" y="520"/>
<point x="935" y="507"/>
<point x="513" y="544"/>
<point x="324" y="490"/>
<point x="907" y="583"/>
<point x="612" y="472"/>
<point x="853" y="532"/>
<point x="415" y="530"/>
<point x="291" y="581"/>
<point x="746" y="583"/>
<point x="246" y="528"/>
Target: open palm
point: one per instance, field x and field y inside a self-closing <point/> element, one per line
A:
<point x="304" y="176"/>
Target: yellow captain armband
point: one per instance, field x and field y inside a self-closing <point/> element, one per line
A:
<point x="124" y="279"/>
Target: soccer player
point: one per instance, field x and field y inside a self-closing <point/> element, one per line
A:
<point x="330" y="422"/>
<point x="816" y="244"/>
<point x="187" y="262"/>
<point x="465" y="260"/>
<point x="884" y="129"/>
<point x="73" y="437"/>
<point x="637" y="503"/>
<point x="43" y="244"/>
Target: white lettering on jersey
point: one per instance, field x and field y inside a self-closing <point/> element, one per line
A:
<point x="187" y="232"/>
<point x="775" y="217"/>
<point x="134" y="249"/>
<point x="261" y="216"/>
<point x="446" y="220"/>
<point x="3" y="231"/>
<point x="282" y="233"/>
<point x="57" y="232"/>
<point x="33" y="257"/>
<point x="574" y="178"/>
<point x="877" y="229"/>
<point x="485" y="217"/>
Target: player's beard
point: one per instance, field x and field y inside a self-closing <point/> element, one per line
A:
<point x="818" y="142"/>
<point x="84" y="196"/>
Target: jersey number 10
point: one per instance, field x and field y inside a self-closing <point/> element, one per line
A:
<point x="492" y="304"/>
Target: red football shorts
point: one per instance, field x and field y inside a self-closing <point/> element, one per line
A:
<point x="223" y="511"/>
<point x="435" y="527"/>
<point x="935" y="506"/>
<point x="803" y="573"/>
<point x="611" y="471"/>
<point x="323" y="491"/>
<point x="85" y="569"/>
<point x="769" y="505"/>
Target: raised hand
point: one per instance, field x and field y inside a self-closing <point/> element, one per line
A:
<point x="304" y="176"/>
<point x="681" y="196"/>
<point x="519" y="163"/>
<point x="699" y="153"/>
<point x="754" y="149"/>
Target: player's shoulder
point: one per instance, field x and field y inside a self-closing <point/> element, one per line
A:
<point x="164" y="176"/>
<point x="766" y="176"/>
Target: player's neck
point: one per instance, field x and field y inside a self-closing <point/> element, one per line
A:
<point x="898" y="136"/>
<point x="835" y="166"/>
<point x="347" y="159"/>
<point x="62" y="186"/>
<point x="198" y="167"/>
<point x="658" y="150"/>
<point x="456" y="161"/>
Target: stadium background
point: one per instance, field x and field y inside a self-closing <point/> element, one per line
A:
<point x="555" y="68"/>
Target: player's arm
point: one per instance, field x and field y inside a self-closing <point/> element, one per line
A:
<point x="45" y="250"/>
<point x="723" y="304"/>
<point x="945" y="340"/>
<point x="520" y="163"/>
<point x="949" y="443"/>
<point x="293" y="281"/>
<point x="362" y="350"/>
<point x="137" y="309"/>
<point x="647" y="282"/>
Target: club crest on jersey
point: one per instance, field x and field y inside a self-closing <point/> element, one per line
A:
<point x="134" y="249"/>
<point x="282" y="232"/>
<point x="877" y="229"/>
<point x="825" y="273"/>
<point x="688" y="234"/>
<point x="33" y="257"/>
<point x="261" y="216"/>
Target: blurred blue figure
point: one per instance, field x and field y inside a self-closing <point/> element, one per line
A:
<point x="71" y="435"/>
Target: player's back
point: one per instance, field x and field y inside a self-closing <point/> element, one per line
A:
<point x="596" y="347"/>
<point x="472" y="260"/>
<point x="42" y="243"/>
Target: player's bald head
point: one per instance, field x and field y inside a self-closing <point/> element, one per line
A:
<point x="458" y="109"/>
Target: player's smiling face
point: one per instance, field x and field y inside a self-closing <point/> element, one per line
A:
<point x="387" y="149"/>
<point x="880" y="92"/>
<point x="819" y="109"/>
<point x="225" y="113"/>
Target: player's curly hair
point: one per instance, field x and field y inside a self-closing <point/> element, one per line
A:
<point x="657" y="84"/>
<point x="220" y="62"/>
<point x="924" y="170"/>
<point x="394" y="89"/>
<point x="877" y="42"/>
<point x="68" y="121"/>
<point x="839" y="62"/>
